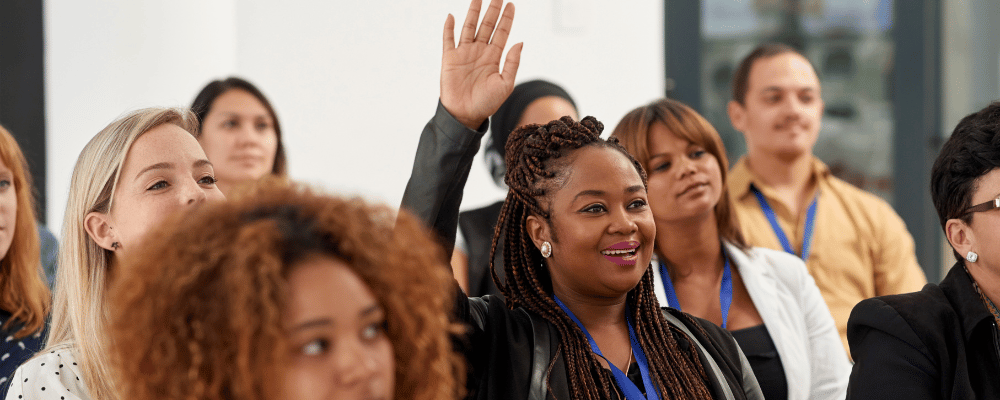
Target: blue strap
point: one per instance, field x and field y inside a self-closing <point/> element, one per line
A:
<point x="629" y="388"/>
<point x="780" y="233"/>
<point x="725" y="292"/>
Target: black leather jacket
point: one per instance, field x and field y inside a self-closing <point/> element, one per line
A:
<point x="938" y="343"/>
<point x="509" y="351"/>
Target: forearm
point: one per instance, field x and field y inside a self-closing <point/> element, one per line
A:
<point x="440" y="170"/>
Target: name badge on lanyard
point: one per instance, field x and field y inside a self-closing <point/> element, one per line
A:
<point x="629" y="388"/>
<point x="807" y="235"/>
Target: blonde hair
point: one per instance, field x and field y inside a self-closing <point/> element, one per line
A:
<point x="79" y="316"/>
<point x="23" y="292"/>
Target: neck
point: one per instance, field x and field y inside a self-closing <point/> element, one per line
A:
<point x="987" y="279"/>
<point x="782" y="173"/>
<point x="689" y="246"/>
<point x="594" y="313"/>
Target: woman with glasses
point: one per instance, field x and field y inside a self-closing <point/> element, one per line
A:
<point x="943" y="342"/>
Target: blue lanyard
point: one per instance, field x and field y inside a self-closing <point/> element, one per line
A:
<point x="631" y="391"/>
<point x="806" y="236"/>
<point x="725" y="292"/>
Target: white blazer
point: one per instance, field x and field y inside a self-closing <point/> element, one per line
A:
<point x="796" y="316"/>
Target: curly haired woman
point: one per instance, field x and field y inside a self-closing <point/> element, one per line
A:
<point x="286" y="294"/>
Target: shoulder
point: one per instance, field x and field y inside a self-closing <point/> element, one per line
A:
<point x="912" y="317"/>
<point x="873" y="206"/>
<point x="778" y="265"/>
<point x="55" y="371"/>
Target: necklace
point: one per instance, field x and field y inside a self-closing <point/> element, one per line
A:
<point x="986" y="300"/>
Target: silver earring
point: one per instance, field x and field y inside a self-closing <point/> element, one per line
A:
<point x="546" y="249"/>
<point x="972" y="256"/>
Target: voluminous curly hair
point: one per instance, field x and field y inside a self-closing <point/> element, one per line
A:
<point x="199" y="314"/>
<point x="538" y="158"/>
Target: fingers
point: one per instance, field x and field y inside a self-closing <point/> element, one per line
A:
<point x="489" y="21"/>
<point x="511" y="63"/>
<point x="503" y="29"/>
<point x="469" y="26"/>
<point x="449" y="32"/>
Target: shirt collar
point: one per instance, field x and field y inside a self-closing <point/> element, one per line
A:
<point x="741" y="177"/>
<point x="957" y="285"/>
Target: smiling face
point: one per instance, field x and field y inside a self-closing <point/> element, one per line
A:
<point x="239" y="137"/>
<point x="601" y="227"/>
<point x="336" y="329"/>
<point x="165" y="171"/>
<point x="782" y="108"/>
<point x="8" y="208"/>
<point x="685" y="180"/>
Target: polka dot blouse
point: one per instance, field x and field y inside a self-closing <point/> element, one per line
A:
<point x="14" y="351"/>
<point x="52" y="375"/>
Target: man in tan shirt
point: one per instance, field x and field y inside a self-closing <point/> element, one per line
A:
<point x="854" y="244"/>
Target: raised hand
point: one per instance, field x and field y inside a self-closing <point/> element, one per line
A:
<point x="472" y="85"/>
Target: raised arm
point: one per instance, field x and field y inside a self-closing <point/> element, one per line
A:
<point x="472" y="88"/>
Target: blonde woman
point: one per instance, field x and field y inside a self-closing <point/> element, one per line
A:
<point x="133" y="174"/>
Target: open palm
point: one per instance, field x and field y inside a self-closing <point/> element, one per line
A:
<point x="472" y="85"/>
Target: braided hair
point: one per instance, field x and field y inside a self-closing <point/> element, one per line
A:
<point x="536" y="160"/>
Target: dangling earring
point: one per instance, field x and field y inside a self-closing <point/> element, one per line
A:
<point x="972" y="256"/>
<point x="546" y="249"/>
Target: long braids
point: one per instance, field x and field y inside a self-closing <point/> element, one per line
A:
<point x="533" y="155"/>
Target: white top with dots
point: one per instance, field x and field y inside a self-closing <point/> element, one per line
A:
<point x="52" y="375"/>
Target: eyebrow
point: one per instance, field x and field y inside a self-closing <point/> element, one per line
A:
<point x="600" y="193"/>
<point x="779" y="89"/>
<point x="314" y="323"/>
<point x="168" y="165"/>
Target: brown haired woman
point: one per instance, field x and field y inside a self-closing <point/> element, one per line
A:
<point x="580" y="319"/>
<point x="24" y="296"/>
<point x="286" y="294"/>
<point x="766" y="298"/>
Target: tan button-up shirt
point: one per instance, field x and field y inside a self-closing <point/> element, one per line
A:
<point x="860" y="246"/>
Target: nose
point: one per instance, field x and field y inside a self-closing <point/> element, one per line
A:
<point x="623" y="222"/>
<point x="685" y="167"/>
<point x="355" y="364"/>
<point x="246" y="134"/>
<point x="193" y="194"/>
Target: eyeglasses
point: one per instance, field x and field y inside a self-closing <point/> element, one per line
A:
<point x="989" y="205"/>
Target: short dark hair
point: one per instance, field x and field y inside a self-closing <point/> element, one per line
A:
<point x="203" y="103"/>
<point x="741" y="78"/>
<point x="973" y="150"/>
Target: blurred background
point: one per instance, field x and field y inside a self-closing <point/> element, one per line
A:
<point x="354" y="82"/>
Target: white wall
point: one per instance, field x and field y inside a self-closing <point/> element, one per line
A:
<point x="352" y="82"/>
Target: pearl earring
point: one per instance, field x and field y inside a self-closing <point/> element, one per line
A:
<point x="972" y="256"/>
<point x="546" y="249"/>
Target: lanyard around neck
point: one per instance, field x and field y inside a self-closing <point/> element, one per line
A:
<point x="807" y="235"/>
<point x="626" y="385"/>
<point x="725" y="292"/>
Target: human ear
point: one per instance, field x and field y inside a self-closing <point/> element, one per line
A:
<point x="100" y="230"/>
<point x="737" y="115"/>
<point x="538" y="230"/>
<point x="961" y="238"/>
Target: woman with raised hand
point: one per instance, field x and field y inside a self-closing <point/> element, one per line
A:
<point x="285" y="294"/>
<point x="25" y="299"/>
<point x="943" y="342"/>
<point x="128" y="179"/>
<point x="580" y="319"/>
<point x="239" y="132"/>
<point x="766" y="298"/>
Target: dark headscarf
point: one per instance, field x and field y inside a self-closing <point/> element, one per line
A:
<point x="505" y="120"/>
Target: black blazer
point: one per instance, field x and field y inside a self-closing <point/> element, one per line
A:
<point x="938" y="343"/>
